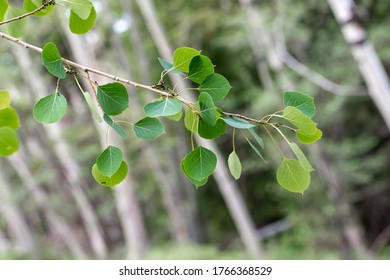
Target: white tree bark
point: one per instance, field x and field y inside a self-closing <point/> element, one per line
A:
<point x="226" y="184"/>
<point x="365" y="55"/>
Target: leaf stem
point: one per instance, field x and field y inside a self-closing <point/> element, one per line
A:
<point x="273" y="140"/>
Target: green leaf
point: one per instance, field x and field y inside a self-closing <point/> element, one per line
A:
<point x="113" y="98"/>
<point x="92" y="106"/>
<point x="292" y="176"/>
<point x="182" y="58"/>
<point x="5" y="98"/>
<point x="163" y="107"/>
<point x="208" y="111"/>
<point x="114" y="126"/>
<point x="199" y="164"/>
<point x="81" y="7"/>
<point x="109" y="161"/>
<point x="301" y="157"/>
<point x="255" y="149"/>
<point x="149" y="128"/>
<point x="176" y="117"/>
<point x="302" y="102"/>
<point x="50" y="109"/>
<point x="31" y="5"/>
<point x="81" y="26"/>
<point x="216" y="85"/>
<point x="258" y="139"/>
<point x="305" y="138"/>
<point x="200" y="68"/>
<point x="169" y="66"/>
<point x="191" y="120"/>
<point x="197" y="183"/>
<point x="237" y="122"/>
<point x="297" y="118"/>
<point x="15" y="28"/>
<point x="211" y="131"/>
<point x="234" y="164"/>
<point x="52" y="60"/>
<point x="3" y="8"/>
<point x="112" y="181"/>
<point x="9" y="117"/>
<point x="9" y="143"/>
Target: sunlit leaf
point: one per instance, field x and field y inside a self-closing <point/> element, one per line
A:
<point x="149" y="128"/>
<point x="301" y="157"/>
<point x="113" y="98"/>
<point x="81" y="26"/>
<point x="52" y="60"/>
<point x="302" y="102"/>
<point x="234" y="164"/>
<point x="9" y="117"/>
<point x="305" y="138"/>
<point x="9" y="143"/>
<point x="92" y="106"/>
<point x="5" y="98"/>
<point x="50" y="109"/>
<point x="81" y="7"/>
<point x="191" y="121"/>
<point x="109" y="161"/>
<point x="176" y="117"/>
<point x="112" y="181"/>
<point x="293" y="176"/>
<point x="3" y="8"/>
<point x="182" y="58"/>
<point x="31" y="5"/>
<point x="300" y="120"/>
<point x="199" y="164"/>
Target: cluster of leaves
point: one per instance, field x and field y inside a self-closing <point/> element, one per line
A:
<point x="81" y="18"/>
<point x="202" y="117"/>
<point x="9" y="122"/>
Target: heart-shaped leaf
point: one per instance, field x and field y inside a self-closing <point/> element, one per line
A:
<point x="109" y="161"/>
<point x="113" y="98"/>
<point x="52" y="60"/>
<point x="149" y="128"/>
<point x="50" y="109"/>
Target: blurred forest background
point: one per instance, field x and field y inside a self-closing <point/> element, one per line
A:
<point x="51" y="207"/>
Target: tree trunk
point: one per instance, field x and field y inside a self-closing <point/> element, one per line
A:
<point x="226" y="184"/>
<point x="365" y="55"/>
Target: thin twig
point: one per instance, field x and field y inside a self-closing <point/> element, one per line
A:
<point x="25" y="15"/>
<point x="88" y="70"/>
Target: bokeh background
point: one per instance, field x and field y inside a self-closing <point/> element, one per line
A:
<point x="51" y="207"/>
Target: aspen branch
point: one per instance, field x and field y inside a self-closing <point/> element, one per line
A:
<point x="121" y="80"/>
